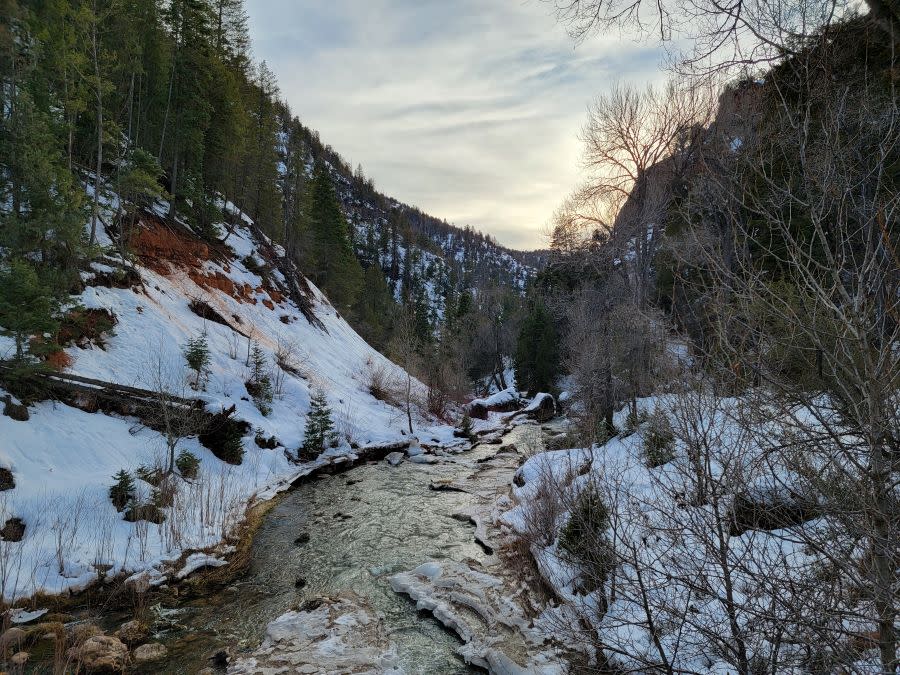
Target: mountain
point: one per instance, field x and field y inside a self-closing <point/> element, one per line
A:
<point x="418" y="253"/>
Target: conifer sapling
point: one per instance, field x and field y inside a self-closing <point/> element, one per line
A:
<point x="319" y="432"/>
<point x="121" y="493"/>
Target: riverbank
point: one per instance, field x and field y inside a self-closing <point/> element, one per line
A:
<point x="192" y="577"/>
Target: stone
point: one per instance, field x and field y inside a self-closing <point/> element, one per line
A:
<point x="12" y="636"/>
<point x="20" y="659"/>
<point x="150" y="652"/>
<point x="394" y="458"/>
<point x="101" y="654"/>
<point x="220" y="659"/>
<point x="7" y="482"/>
<point x="542" y="408"/>
<point x="302" y="539"/>
<point x="133" y="632"/>
<point x="14" y="411"/>
<point x="478" y="410"/>
<point x="81" y="632"/>
<point x="300" y="583"/>
<point x="13" y="530"/>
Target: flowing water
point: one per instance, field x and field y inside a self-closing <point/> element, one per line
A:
<point x="363" y="526"/>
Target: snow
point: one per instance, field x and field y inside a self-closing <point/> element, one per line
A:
<point x="341" y="635"/>
<point x="645" y="501"/>
<point x="20" y="616"/>
<point x="474" y="605"/>
<point x="63" y="458"/>
<point x="504" y="397"/>
<point x="197" y="561"/>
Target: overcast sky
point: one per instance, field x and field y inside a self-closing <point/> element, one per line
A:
<point x="469" y="109"/>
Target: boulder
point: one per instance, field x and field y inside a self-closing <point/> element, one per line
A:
<point x="7" y="482"/>
<point x="12" y="637"/>
<point x="13" y="530"/>
<point x="150" y="652"/>
<point x="14" y="411"/>
<point x="503" y="401"/>
<point x="542" y="408"/>
<point x="81" y="632"/>
<point x="394" y="458"/>
<point x="101" y="654"/>
<point x="133" y="632"/>
<point x="478" y="410"/>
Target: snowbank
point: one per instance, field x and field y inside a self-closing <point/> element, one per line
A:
<point x="63" y="458"/>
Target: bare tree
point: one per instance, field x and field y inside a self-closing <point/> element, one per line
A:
<point x="721" y="36"/>
<point x="639" y="146"/>
<point x="807" y="308"/>
<point x="405" y="347"/>
<point x="171" y="410"/>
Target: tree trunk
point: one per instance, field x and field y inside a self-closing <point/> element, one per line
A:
<point x="95" y="207"/>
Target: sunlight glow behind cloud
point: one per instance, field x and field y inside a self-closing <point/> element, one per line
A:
<point x="467" y="109"/>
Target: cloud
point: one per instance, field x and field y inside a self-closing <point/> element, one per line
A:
<point x="468" y="109"/>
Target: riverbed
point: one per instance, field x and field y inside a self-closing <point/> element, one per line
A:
<point x="338" y="533"/>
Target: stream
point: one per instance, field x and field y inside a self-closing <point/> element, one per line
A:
<point x="363" y="525"/>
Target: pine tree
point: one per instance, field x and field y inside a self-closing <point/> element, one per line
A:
<point x="537" y="351"/>
<point x="319" y="432"/>
<point x="260" y="383"/>
<point x="188" y="109"/>
<point x="138" y="187"/>
<point x="230" y="35"/>
<point x="27" y="306"/>
<point x="45" y="220"/>
<point x="196" y="353"/>
<point x="122" y="493"/>
<point x="331" y="260"/>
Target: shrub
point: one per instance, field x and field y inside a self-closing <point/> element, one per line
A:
<point x="633" y="420"/>
<point x="224" y="437"/>
<point x="583" y="540"/>
<point x="121" y="493"/>
<point x="658" y="440"/>
<point x="379" y="383"/>
<point x="152" y="475"/>
<point x="188" y="464"/>
<point x="232" y="448"/>
<point x="465" y="426"/>
<point x="149" y="512"/>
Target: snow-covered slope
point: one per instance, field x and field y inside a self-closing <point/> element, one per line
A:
<point x="62" y="459"/>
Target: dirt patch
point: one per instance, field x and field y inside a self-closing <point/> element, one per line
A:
<point x="16" y="412"/>
<point x="84" y="327"/>
<point x="58" y="360"/>
<point x="160" y="246"/>
<point x="117" y="277"/>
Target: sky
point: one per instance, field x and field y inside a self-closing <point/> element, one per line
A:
<point x="469" y="109"/>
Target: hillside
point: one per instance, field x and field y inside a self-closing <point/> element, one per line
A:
<point x="129" y="325"/>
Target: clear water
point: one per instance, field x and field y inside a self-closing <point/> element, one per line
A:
<point x="363" y="526"/>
